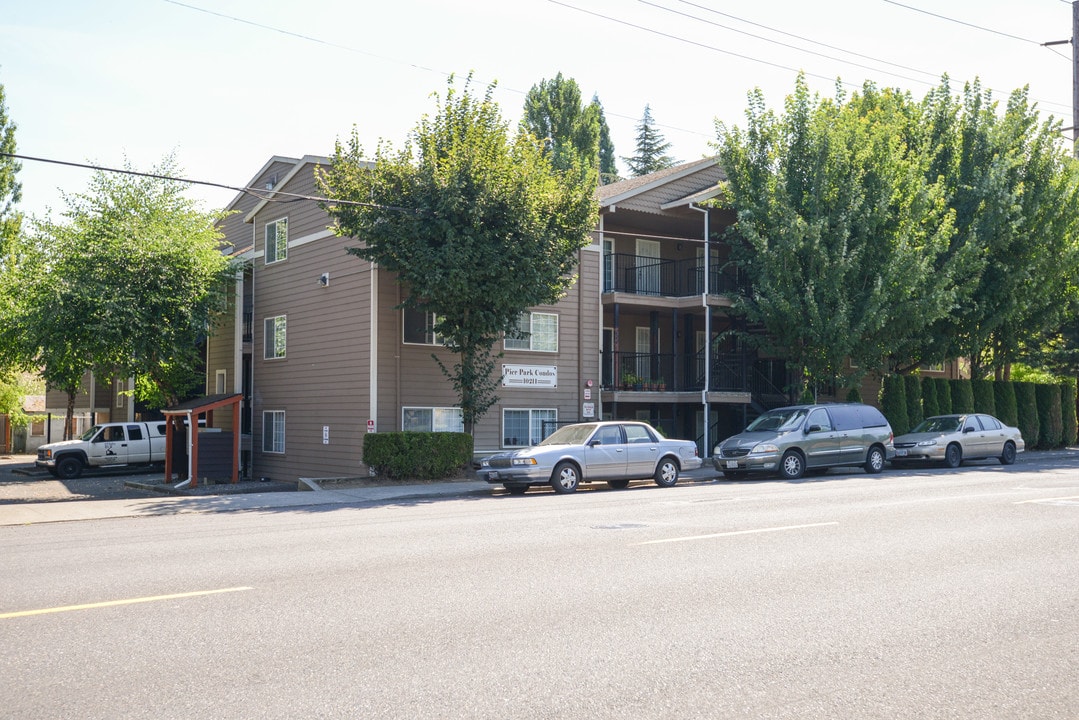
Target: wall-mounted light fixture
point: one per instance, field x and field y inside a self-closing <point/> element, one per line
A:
<point x="324" y="279"/>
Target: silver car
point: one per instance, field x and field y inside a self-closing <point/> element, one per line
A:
<point x="611" y="451"/>
<point x="951" y="439"/>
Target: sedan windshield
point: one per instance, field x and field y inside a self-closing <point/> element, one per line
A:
<point x="787" y="419"/>
<point x="569" y="435"/>
<point x="938" y="424"/>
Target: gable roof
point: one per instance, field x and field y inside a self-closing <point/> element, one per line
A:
<point x="615" y="193"/>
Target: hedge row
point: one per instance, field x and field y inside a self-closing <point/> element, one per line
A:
<point x="1045" y="414"/>
<point x="418" y="455"/>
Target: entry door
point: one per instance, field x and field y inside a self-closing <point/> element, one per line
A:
<point x="644" y="352"/>
<point x="648" y="267"/>
<point x="109" y="447"/>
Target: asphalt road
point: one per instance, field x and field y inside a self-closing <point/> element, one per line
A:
<point x="912" y="594"/>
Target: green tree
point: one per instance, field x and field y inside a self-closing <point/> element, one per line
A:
<point x="124" y="283"/>
<point x="608" y="167"/>
<point x="1004" y="401"/>
<point x="652" y="148"/>
<point x="984" y="397"/>
<point x="913" y="386"/>
<point x="893" y="403"/>
<point x="944" y="395"/>
<point x="1026" y="402"/>
<point x="1050" y="422"/>
<point x="837" y="228"/>
<point x="1068" y="413"/>
<point x="1012" y="185"/>
<point x="477" y="224"/>
<point x="11" y="395"/>
<point x="569" y="130"/>
<point x="930" y="404"/>
<point x="962" y="396"/>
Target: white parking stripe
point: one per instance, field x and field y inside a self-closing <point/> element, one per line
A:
<point x="1048" y="500"/>
<point x="736" y="532"/>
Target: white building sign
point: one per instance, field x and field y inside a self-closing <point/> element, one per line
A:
<point x="537" y="376"/>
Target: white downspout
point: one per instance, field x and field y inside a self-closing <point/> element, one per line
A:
<point x="707" y="331"/>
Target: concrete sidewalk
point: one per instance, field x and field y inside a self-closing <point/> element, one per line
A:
<point x="68" y="511"/>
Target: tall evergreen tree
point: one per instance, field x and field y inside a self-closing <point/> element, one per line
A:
<point x="554" y="114"/>
<point x="652" y="148"/>
<point x="608" y="168"/>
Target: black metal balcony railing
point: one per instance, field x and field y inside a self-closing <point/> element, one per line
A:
<point x="642" y="275"/>
<point x="249" y="319"/>
<point x="675" y="373"/>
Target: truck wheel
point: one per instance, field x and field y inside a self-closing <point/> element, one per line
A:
<point x="68" y="468"/>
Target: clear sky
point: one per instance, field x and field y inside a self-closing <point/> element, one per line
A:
<point x="226" y="84"/>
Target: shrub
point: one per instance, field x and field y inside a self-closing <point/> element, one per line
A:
<point x="1050" y="428"/>
<point x="854" y="395"/>
<point x="1004" y="396"/>
<point x="913" y="386"/>
<point x="944" y="395"/>
<point x="418" y="455"/>
<point x="930" y="406"/>
<point x="962" y="396"/>
<point x="1068" y="413"/>
<point x="984" y="402"/>
<point x="1027" y="409"/>
<point x="893" y="403"/>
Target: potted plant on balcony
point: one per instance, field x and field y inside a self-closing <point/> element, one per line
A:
<point x="628" y="380"/>
<point x="662" y="384"/>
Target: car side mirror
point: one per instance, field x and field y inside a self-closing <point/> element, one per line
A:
<point x="594" y="443"/>
<point x="967" y="429"/>
<point x="813" y="429"/>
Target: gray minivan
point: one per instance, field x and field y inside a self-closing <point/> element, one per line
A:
<point x="794" y="440"/>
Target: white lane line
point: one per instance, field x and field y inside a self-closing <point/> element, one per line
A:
<point x="114" y="603"/>
<point x="736" y="532"/>
<point x="1047" y="500"/>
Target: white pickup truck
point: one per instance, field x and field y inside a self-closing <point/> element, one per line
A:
<point x="107" y="445"/>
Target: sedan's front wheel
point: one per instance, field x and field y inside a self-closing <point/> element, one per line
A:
<point x="953" y="456"/>
<point x="1007" y="457"/>
<point x="565" y="478"/>
<point x="667" y="473"/>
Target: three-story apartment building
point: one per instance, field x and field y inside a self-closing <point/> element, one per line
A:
<point x="323" y="353"/>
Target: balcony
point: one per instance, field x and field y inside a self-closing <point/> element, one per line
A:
<point x="637" y="372"/>
<point x="657" y="277"/>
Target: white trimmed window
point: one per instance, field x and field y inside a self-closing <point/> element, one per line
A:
<point x="220" y="381"/>
<point x="535" y="331"/>
<point x="119" y="392"/>
<point x="274" y="341"/>
<point x="418" y="327"/>
<point x="273" y="431"/>
<point x="276" y="241"/>
<point x="522" y="428"/>
<point x="432" y="419"/>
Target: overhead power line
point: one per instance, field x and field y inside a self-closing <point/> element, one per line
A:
<point x="275" y="196"/>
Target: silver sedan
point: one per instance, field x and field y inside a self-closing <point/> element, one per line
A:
<point x="951" y="439"/>
<point x="611" y="451"/>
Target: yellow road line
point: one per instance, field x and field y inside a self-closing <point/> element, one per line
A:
<point x="737" y="532"/>
<point x="114" y="603"/>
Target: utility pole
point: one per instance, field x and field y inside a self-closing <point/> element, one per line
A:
<point x="1074" y="42"/>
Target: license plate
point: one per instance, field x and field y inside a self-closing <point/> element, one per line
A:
<point x="493" y="475"/>
<point x="900" y="453"/>
<point x="732" y="464"/>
